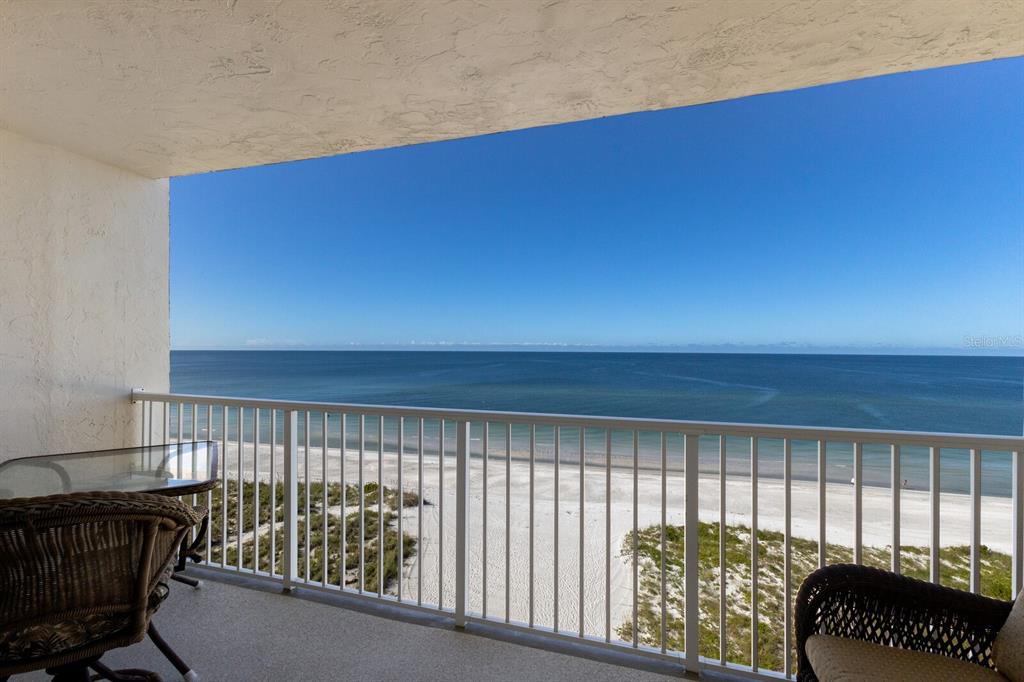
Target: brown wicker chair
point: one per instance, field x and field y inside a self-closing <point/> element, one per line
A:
<point x="81" y="574"/>
<point x="872" y="605"/>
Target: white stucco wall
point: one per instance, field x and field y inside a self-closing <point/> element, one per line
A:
<point x="83" y="298"/>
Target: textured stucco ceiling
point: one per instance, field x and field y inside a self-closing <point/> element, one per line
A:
<point x="174" y="87"/>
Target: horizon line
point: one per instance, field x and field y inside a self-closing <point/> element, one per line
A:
<point x="735" y="349"/>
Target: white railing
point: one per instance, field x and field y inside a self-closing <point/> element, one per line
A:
<point x="473" y="512"/>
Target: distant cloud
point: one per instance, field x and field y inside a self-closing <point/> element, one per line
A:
<point x="274" y="343"/>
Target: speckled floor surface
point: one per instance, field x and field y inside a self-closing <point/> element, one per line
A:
<point x="229" y="632"/>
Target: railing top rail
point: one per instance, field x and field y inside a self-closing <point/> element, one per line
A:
<point x="926" y="438"/>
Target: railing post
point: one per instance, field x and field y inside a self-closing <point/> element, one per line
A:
<point x="822" y="487"/>
<point x="691" y="559"/>
<point x="1017" y="498"/>
<point x="461" y="521"/>
<point x="137" y="397"/>
<point x="896" y="484"/>
<point x="935" y="486"/>
<point x="975" y="557"/>
<point x="290" y="564"/>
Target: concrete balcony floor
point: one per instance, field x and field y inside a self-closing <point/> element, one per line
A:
<point x="237" y="629"/>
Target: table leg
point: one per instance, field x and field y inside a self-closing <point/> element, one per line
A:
<point x="190" y="551"/>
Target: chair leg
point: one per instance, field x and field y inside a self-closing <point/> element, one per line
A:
<point x="187" y="673"/>
<point x="74" y="672"/>
<point x="132" y="675"/>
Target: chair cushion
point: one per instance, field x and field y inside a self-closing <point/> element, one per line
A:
<point x="839" y="659"/>
<point x="31" y="642"/>
<point x="46" y="639"/>
<point x="1008" y="649"/>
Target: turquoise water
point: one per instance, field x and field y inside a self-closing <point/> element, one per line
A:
<point x="919" y="393"/>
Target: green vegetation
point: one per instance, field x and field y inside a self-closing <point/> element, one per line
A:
<point x="323" y="525"/>
<point x="995" y="577"/>
<point x="409" y="499"/>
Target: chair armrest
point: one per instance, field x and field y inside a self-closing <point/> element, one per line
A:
<point x="877" y="606"/>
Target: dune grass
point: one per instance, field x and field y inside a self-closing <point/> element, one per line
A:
<point x="954" y="572"/>
<point x="318" y="553"/>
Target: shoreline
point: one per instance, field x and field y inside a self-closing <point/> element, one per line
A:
<point x="876" y="500"/>
<point x="572" y="465"/>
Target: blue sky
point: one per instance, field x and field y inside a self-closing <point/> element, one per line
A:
<point x="881" y="213"/>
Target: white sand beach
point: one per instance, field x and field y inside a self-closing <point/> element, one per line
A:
<point x="437" y="540"/>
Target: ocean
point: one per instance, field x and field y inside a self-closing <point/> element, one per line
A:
<point x="983" y="395"/>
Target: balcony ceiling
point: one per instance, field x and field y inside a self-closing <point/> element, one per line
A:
<point x="175" y="88"/>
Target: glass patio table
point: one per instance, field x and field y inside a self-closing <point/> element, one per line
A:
<point x="176" y="469"/>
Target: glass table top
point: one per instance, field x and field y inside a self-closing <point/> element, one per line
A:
<point x="173" y="469"/>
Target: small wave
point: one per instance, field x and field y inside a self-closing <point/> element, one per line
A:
<point x="871" y="410"/>
<point x="766" y="393"/>
<point x="991" y="380"/>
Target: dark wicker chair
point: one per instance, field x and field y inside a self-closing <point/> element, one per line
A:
<point x="877" y="606"/>
<point x="81" y="574"/>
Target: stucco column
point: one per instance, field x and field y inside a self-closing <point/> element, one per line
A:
<point x="84" y="312"/>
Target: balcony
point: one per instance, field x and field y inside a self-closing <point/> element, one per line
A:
<point x="569" y="531"/>
<point x="566" y="534"/>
